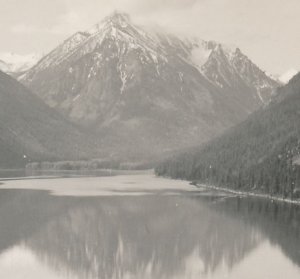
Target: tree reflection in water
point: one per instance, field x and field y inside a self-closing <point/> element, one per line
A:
<point x="149" y="236"/>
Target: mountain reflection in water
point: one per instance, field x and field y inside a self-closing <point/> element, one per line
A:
<point x="151" y="236"/>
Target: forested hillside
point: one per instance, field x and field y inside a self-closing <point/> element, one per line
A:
<point x="10" y="158"/>
<point x="30" y="130"/>
<point x="259" y="154"/>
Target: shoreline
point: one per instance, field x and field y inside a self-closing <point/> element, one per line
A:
<point x="244" y="193"/>
<point x="53" y="174"/>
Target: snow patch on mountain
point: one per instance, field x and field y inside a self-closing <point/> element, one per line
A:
<point x="287" y="76"/>
<point x="4" y="67"/>
<point x="200" y="55"/>
<point x="63" y="51"/>
<point x="16" y="63"/>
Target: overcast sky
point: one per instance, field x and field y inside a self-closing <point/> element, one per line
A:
<point x="266" y="30"/>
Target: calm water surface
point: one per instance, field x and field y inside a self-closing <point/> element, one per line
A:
<point x="142" y="227"/>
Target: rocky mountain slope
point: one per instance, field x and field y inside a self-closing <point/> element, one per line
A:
<point x="261" y="153"/>
<point x="30" y="130"/>
<point x="147" y="92"/>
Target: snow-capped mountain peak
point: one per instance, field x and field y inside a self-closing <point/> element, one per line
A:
<point x="144" y="88"/>
<point x="228" y="66"/>
<point x="4" y="67"/>
<point x="117" y="27"/>
<point x="16" y="63"/>
<point x="117" y="20"/>
<point x="287" y="76"/>
<point x="116" y="36"/>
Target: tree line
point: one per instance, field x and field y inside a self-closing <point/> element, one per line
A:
<point x="260" y="154"/>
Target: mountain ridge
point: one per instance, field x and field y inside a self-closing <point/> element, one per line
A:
<point x="16" y="64"/>
<point x="142" y="89"/>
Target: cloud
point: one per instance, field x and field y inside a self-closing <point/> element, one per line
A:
<point x="263" y="36"/>
<point x="23" y="28"/>
<point x="68" y="23"/>
<point x="148" y="7"/>
<point x="81" y="14"/>
<point x="65" y="24"/>
<point x="134" y="6"/>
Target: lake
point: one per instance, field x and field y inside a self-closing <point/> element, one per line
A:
<point x="140" y="226"/>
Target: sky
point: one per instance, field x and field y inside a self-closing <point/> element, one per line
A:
<point x="265" y="30"/>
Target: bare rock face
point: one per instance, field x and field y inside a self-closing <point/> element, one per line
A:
<point x="145" y="92"/>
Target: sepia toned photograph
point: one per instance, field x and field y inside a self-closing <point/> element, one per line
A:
<point x="150" y="139"/>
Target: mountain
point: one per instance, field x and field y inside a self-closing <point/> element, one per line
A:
<point x="261" y="153"/>
<point x="147" y="92"/>
<point x="30" y="130"/>
<point x="15" y="64"/>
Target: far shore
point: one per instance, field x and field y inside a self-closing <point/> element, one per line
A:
<point x="50" y="174"/>
<point x="245" y="193"/>
<point x="12" y="170"/>
<point x="26" y="174"/>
